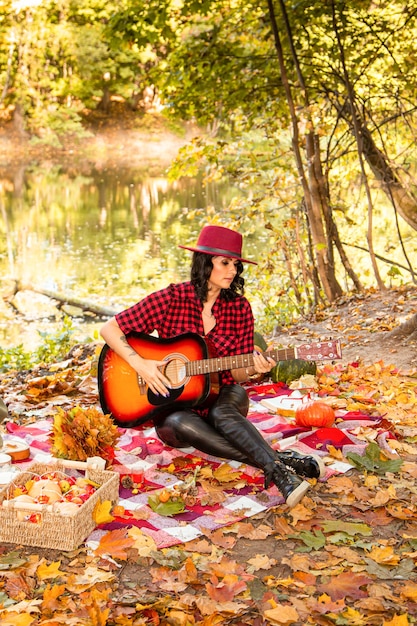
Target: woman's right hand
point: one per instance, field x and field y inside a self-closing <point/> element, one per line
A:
<point x="148" y="369"/>
<point x="151" y="372"/>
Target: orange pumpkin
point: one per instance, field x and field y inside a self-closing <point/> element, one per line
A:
<point x="46" y="488"/>
<point x="314" y="413"/>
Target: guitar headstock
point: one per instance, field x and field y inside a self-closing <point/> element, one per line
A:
<point x="320" y="351"/>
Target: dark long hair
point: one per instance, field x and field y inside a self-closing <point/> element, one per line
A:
<point x="201" y="269"/>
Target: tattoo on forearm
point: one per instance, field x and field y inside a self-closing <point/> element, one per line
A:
<point x="123" y="339"/>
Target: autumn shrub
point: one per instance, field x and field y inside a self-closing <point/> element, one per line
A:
<point x="15" y="358"/>
<point x="79" y="433"/>
<point x="54" y="347"/>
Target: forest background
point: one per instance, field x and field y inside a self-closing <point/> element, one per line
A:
<point x="309" y="108"/>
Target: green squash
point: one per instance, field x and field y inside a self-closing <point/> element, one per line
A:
<point x="260" y="345"/>
<point x="259" y="341"/>
<point x="287" y="371"/>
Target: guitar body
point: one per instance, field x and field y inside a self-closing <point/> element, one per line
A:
<point x="129" y="400"/>
<point x="192" y="372"/>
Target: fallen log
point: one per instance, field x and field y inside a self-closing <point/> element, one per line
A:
<point x="64" y="299"/>
<point x="407" y="328"/>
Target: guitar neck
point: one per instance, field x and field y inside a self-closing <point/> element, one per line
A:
<point x="219" y="364"/>
<point x="320" y="351"/>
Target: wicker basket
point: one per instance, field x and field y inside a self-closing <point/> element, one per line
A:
<point x="54" y="530"/>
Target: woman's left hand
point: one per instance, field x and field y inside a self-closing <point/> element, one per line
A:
<point x="262" y="364"/>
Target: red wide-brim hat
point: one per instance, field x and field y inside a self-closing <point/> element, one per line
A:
<point x="219" y="241"/>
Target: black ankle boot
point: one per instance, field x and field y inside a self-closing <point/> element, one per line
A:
<point x="310" y="466"/>
<point x="291" y="486"/>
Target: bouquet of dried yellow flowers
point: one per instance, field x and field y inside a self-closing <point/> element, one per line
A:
<point x="81" y="433"/>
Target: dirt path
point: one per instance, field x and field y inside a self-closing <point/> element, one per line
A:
<point x="367" y="325"/>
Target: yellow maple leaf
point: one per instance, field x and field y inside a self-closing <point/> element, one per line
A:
<point x="404" y="398"/>
<point x="409" y="591"/>
<point x="371" y="481"/>
<point x="398" y="620"/>
<point x="101" y="512"/>
<point x="49" y="571"/>
<point x="97" y="611"/>
<point x="260" y="561"/>
<point x="398" y="511"/>
<point x="91" y="576"/>
<point x="324" y="598"/>
<point x="182" y="619"/>
<point x="384" y="555"/>
<point x="303" y="511"/>
<point x="353" y="616"/>
<point x="15" y="619"/>
<point x="334" y="452"/>
<point x="226" y="474"/>
<point x="51" y="594"/>
<point x="206" y="472"/>
<point x="281" y="614"/>
<point x="144" y="544"/>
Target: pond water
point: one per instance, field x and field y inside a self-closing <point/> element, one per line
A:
<point x="107" y="237"/>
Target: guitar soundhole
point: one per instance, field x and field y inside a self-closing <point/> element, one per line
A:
<point x="176" y="372"/>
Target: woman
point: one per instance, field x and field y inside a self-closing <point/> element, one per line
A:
<point x="212" y="305"/>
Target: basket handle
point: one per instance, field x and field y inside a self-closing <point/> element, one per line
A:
<point x="93" y="462"/>
<point x="26" y="506"/>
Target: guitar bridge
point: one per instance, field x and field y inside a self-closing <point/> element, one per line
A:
<point x="142" y="385"/>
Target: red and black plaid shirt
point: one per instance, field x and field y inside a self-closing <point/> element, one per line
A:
<point x="176" y="310"/>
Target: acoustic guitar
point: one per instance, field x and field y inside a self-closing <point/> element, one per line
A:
<point x="192" y="372"/>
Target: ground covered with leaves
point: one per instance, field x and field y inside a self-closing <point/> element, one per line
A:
<point x="346" y="554"/>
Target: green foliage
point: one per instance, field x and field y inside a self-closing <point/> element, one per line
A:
<point x="57" y="345"/>
<point x="55" y="60"/>
<point x="394" y="273"/>
<point x="168" y="508"/>
<point x="53" y="348"/>
<point x="337" y="533"/>
<point x="217" y="64"/>
<point x="348" y="528"/>
<point x="313" y="540"/>
<point x="152" y="22"/>
<point x="374" y="460"/>
<point x="57" y="123"/>
<point x="15" y="358"/>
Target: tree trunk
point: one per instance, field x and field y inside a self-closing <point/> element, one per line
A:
<point x="318" y="219"/>
<point x="8" y="72"/>
<point x="315" y="196"/>
<point x="359" y="144"/>
<point x="19" y="121"/>
<point x="70" y="300"/>
<point x="403" y="199"/>
<point x="104" y="104"/>
<point x="406" y="328"/>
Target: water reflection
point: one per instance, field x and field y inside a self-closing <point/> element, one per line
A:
<point x="108" y="236"/>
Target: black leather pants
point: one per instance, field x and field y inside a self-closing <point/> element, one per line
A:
<point x="225" y="433"/>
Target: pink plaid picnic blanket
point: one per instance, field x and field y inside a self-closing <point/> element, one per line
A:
<point x="141" y="453"/>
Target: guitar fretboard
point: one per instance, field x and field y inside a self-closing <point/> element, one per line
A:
<point x="219" y="364"/>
